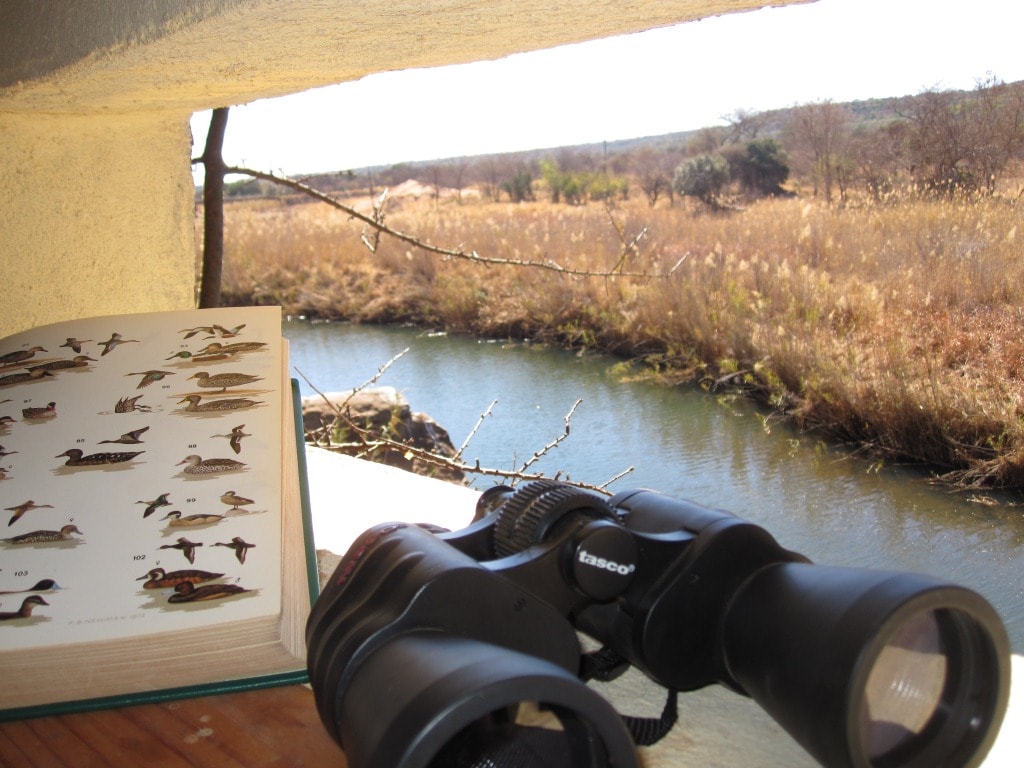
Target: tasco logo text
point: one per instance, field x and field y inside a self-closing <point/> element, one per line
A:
<point x="608" y="565"/>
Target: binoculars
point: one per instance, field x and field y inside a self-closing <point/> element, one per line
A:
<point x="431" y="649"/>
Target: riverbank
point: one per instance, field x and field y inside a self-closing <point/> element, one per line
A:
<point x="897" y="329"/>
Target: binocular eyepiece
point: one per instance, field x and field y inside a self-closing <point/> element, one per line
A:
<point x="431" y="649"/>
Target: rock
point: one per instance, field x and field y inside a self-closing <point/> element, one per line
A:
<point x="381" y="411"/>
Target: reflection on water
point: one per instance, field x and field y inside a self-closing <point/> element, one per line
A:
<point x="716" y="451"/>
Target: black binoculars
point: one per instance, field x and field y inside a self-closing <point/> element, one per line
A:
<point x="437" y="649"/>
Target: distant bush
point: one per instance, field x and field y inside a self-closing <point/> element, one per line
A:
<point x="703" y="177"/>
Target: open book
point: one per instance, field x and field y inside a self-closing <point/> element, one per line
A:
<point x="154" y="538"/>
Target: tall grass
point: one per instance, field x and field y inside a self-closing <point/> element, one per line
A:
<point x="898" y="328"/>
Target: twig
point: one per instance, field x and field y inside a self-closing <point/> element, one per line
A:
<point x="554" y="443"/>
<point x="449" y="253"/>
<point x="475" y="429"/>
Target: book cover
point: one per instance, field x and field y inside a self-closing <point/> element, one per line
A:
<point x="154" y="539"/>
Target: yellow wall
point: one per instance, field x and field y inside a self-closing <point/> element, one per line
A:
<point x="96" y="208"/>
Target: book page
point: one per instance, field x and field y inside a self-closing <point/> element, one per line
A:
<point x="141" y="485"/>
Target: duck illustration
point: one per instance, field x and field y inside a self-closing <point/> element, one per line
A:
<point x="148" y="377"/>
<point x="207" y="329"/>
<point x="234" y="438"/>
<point x="79" y="361"/>
<point x="228" y="333"/>
<point x="43" y="585"/>
<point x="5" y="420"/>
<point x="188" y="357"/>
<point x="22" y="378"/>
<point x="25" y="611"/>
<point x="128" y="438"/>
<point x="47" y="412"/>
<point x="77" y="459"/>
<point x="24" y="507"/>
<point x="222" y="381"/>
<point x="235" y="348"/>
<point x="234" y="501"/>
<point x="231" y="404"/>
<point x="129" y="404"/>
<point x="40" y="537"/>
<point x="158" y="578"/>
<point x="75" y="344"/>
<point x="177" y="521"/>
<point x="20" y="355"/>
<point x="187" y="592"/>
<point x="240" y="545"/>
<point x="188" y="548"/>
<point x="155" y="504"/>
<point x="197" y="465"/>
<point x="115" y="340"/>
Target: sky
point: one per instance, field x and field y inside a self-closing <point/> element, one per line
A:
<point x="646" y="84"/>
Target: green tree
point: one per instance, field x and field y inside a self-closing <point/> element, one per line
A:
<point x="703" y="177"/>
<point x="763" y="167"/>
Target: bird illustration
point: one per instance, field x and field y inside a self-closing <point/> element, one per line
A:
<point x="222" y="381"/>
<point x="177" y="521"/>
<point x="235" y="348"/>
<point x="43" y="585"/>
<point x="231" y="404"/>
<point x="22" y="378"/>
<point x="75" y="344"/>
<point x="47" y="412"/>
<point x="128" y="438"/>
<point x="188" y="548"/>
<point x="234" y="501"/>
<point x="5" y="420"/>
<point x="41" y="537"/>
<point x="20" y="355"/>
<point x="240" y="545"/>
<point x="226" y="333"/>
<point x="155" y="504"/>
<point x="234" y="437"/>
<point x="207" y="329"/>
<point x="77" y="459"/>
<point x="158" y="578"/>
<point x="148" y="377"/>
<point x="21" y="509"/>
<point x="25" y="611"/>
<point x="196" y="465"/>
<point x="5" y="452"/>
<point x="78" y="361"/>
<point x="187" y="592"/>
<point x="197" y="358"/>
<point x="115" y="340"/>
<point x="129" y="404"/>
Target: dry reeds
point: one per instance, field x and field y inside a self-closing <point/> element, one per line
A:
<point x="897" y="328"/>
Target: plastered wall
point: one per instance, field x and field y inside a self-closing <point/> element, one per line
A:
<point x="96" y="204"/>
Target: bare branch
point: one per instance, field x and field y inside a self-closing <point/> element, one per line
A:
<point x="376" y="222"/>
<point x="475" y="429"/>
<point x="554" y="443"/>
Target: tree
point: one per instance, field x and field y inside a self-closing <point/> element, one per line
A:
<point x="819" y="129"/>
<point x="762" y="167"/>
<point x="959" y="142"/>
<point x="703" y="177"/>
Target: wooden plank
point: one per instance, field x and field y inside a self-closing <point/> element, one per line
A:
<point x="269" y="727"/>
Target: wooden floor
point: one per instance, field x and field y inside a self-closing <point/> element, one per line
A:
<point x="267" y="727"/>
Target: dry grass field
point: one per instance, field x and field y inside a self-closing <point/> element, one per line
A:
<point x="898" y="329"/>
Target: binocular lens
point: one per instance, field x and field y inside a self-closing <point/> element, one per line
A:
<point x="446" y="701"/>
<point x="870" y="669"/>
<point x="904" y="687"/>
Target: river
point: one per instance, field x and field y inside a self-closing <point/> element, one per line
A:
<point x="720" y="451"/>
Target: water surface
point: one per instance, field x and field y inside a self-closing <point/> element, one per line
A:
<point x="720" y="451"/>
